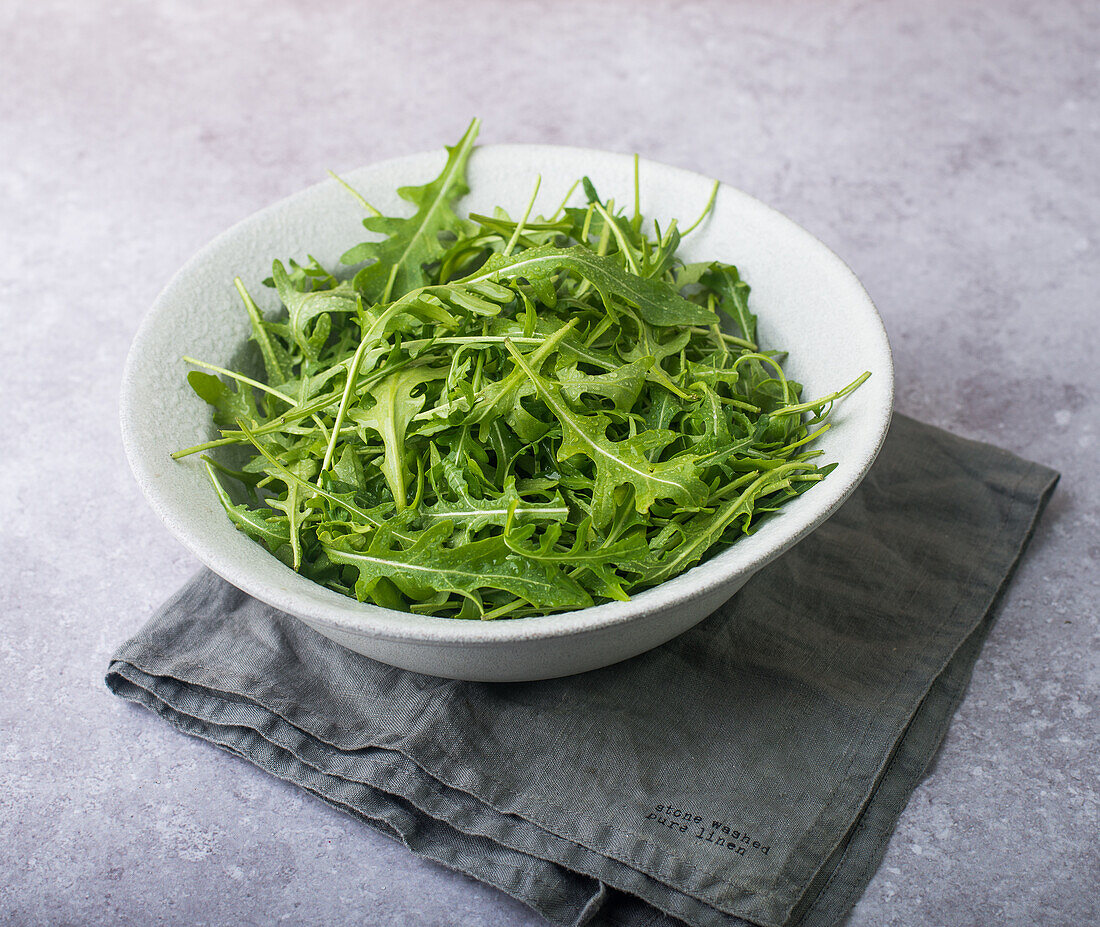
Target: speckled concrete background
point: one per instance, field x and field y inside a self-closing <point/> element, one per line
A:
<point x="948" y="151"/>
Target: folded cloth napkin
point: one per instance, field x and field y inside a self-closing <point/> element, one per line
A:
<point x="750" y="770"/>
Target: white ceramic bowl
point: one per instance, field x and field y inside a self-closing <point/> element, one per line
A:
<point x="807" y="300"/>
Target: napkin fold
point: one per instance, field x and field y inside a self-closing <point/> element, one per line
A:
<point x="752" y="769"/>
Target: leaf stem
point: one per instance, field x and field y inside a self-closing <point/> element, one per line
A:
<point x="624" y="246"/>
<point x="706" y="210"/>
<point x="832" y="397"/>
<point x="349" y="388"/>
<point x="260" y="333"/>
<point x="241" y="378"/>
<point x="526" y="215"/>
<point x="561" y="208"/>
<point x="769" y="360"/>
<point x="636" y="221"/>
<point x="729" y="339"/>
<point x="359" y="196"/>
<point x="389" y="284"/>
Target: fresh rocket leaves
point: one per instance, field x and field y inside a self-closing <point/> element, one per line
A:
<point x="482" y="417"/>
<point x="398" y="260"/>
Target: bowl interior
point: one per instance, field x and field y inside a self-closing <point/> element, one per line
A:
<point x="808" y="303"/>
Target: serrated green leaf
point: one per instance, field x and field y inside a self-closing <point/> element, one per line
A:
<point x="429" y="567"/>
<point x="230" y="402"/>
<point x="473" y="515"/>
<point x="303" y="308"/>
<point x="656" y="302"/>
<point x="393" y="409"/>
<point x="409" y="244"/>
<point x="259" y="524"/>
<point x="734" y="293"/>
<point x="275" y="356"/>
<point x="621" y="385"/>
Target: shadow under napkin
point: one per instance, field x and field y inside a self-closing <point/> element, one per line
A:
<point x="752" y="769"/>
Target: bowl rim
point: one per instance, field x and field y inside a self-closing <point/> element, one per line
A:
<point x="346" y="615"/>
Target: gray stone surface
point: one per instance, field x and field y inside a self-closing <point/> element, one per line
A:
<point x="948" y="151"/>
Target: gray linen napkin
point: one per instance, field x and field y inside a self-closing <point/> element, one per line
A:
<point x="752" y="769"/>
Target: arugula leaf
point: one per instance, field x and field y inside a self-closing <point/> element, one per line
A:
<point x="230" y="404"/>
<point x="622" y="385"/>
<point x="276" y="358"/>
<point x="304" y="307"/>
<point x="393" y="410"/>
<point x="704" y="534"/>
<point x="475" y="514"/>
<point x="258" y="524"/>
<point x="734" y="293"/>
<point x="409" y="244"/>
<point x="429" y="567"/>
<point x="631" y="549"/>
<point x="656" y="302"/>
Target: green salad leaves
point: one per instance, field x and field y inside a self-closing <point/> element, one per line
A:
<point x="482" y="417"/>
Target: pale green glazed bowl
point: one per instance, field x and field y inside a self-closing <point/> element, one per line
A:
<point x="808" y="302"/>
